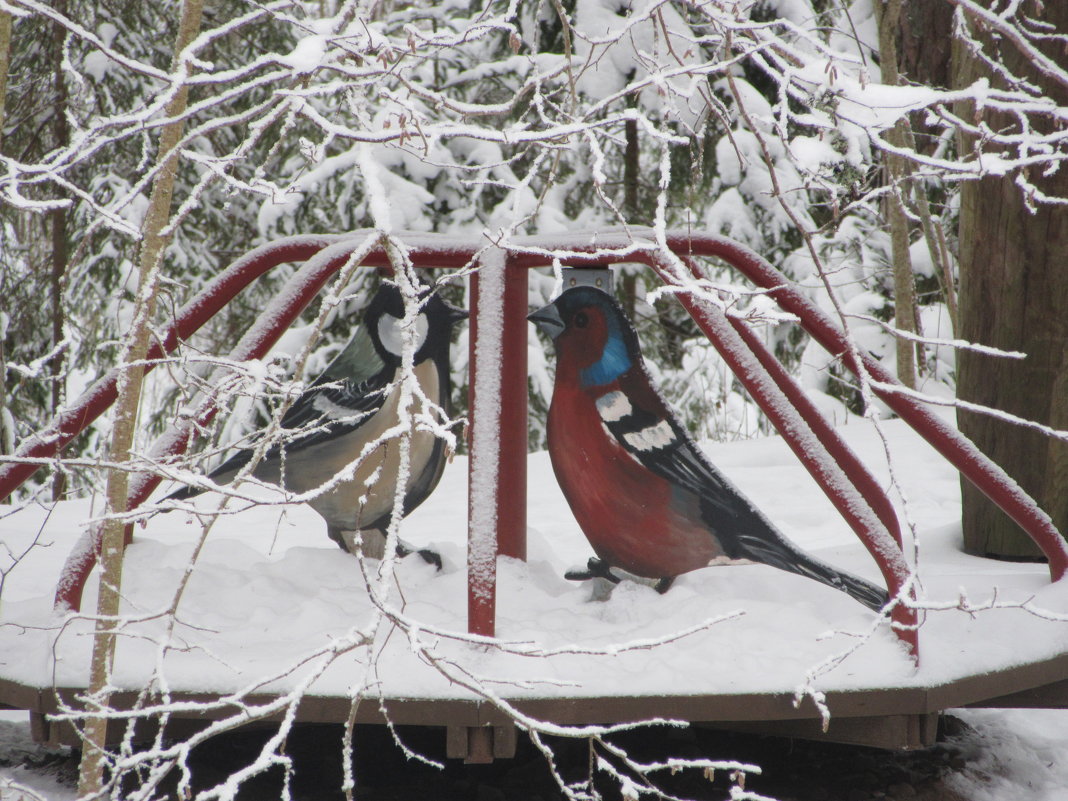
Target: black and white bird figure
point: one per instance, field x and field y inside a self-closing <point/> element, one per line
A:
<point x="353" y="404"/>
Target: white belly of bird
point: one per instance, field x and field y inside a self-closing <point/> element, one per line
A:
<point x="351" y="502"/>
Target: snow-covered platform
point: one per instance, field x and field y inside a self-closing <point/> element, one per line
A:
<point x="273" y="609"/>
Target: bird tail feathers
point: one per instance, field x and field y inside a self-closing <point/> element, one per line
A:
<point x="184" y="494"/>
<point x="793" y="560"/>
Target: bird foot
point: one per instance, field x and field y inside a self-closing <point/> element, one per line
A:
<point x="600" y="569"/>
<point x="429" y="556"/>
<point x="372" y="544"/>
<point x="595" y="568"/>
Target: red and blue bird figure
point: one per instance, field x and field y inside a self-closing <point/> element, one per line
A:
<point x="647" y="498"/>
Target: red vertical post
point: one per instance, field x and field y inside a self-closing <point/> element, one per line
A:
<point x="481" y="605"/>
<point x="483" y="411"/>
<point x="512" y="465"/>
<point x="497" y="403"/>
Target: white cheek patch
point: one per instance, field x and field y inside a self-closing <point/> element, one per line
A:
<point x="613" y="406"/>
<point x="651" y="438"/>
<point x="391" y="333"/>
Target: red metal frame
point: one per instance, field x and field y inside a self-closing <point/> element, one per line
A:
<point x="852" y="489"/>
<point x="511" y="409"/>
<point x="853" y="504"/>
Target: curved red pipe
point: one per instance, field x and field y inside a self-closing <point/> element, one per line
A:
<point x="987" y="476"/>
<point x="797" y="429"/>
<point x="452" y="252"/>
<point x="96" y="400"/>
<point x="273" y="322"/>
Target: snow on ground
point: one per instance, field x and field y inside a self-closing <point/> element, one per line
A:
<point x="19" y="754"/>
<point x="270" y="588"/>
<point x="1014" y="754"/>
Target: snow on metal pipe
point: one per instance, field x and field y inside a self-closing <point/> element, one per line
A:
<point x="324" y="255"/>
<point x="987" y="476"/>
<point x="432" y="250"/>
<point x="862" y="478"/>
<point x="96" y="400"/>
<point x="836" y="483"/>
<point x="484" y="404"/>
<point x="828" y="436"/>
<point x="298" y="292"/>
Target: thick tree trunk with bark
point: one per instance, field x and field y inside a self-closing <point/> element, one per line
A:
<point x="1014" y="296"/>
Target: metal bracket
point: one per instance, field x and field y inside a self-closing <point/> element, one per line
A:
<point x="599" y="277"/>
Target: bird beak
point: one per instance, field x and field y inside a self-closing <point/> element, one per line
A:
<point x="548" y="321"/>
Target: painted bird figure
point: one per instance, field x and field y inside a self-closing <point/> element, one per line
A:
<point x="644" y="494"/>
<point x="353" y="403"/>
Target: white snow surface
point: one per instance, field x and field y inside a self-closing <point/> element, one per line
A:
<point x="270" y="589"/>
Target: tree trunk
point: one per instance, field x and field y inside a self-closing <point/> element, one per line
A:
<point x="127" y="402"/>
<point x="58" y="219"/>
<point x="924" y="36"/>
<point x="1014" y="296"/>
<point x="905" y="317"/>
<point x="631" y="165"/>
<point x="7" y="434"/>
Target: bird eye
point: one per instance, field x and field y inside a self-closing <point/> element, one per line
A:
<point x="581" y="320"/>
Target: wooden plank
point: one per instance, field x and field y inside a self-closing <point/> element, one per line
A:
<point x="1048" y="696"/>
<point x="890" y="732"/>
<point x="973" y="689"/>
<point x="891" y="717"/>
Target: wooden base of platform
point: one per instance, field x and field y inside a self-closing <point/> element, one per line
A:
<point x="476" y="731"/>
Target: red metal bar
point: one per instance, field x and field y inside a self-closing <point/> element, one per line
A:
<point x="299" y="292"/>
<point x="987" y="476"/>
<point x="96" y="400"/>
<point x="512" y="476"/>
<point x="481" y="556"/>
<point x="836" y="447"/>
<point x="439" y="251"/>
<point x="827" y="434"/>
<point x="635" y="245"/>
<point x="832" y="478"/>
<point x="269" y="327"/>
<point x="510" y="527"/>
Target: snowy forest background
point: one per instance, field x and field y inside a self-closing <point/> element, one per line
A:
<point x="762" y="121"/>
<point x="789" y="125"/>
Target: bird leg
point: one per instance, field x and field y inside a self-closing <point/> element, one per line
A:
<point x="600" y="569"/>
<point x="338" y="536"/>
<point x="371" y="544"/>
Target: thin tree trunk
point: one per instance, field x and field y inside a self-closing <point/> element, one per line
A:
<point x="58" y="218"/>
<point x="5" y="67"/>
<point x="126" y="408"/>
<point x="889" y="17"/>
<point x="923" y="46"/>
<point x="631" y="165"/>
<point x="1014" y="296"/>
<point x="7" y="437"/>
